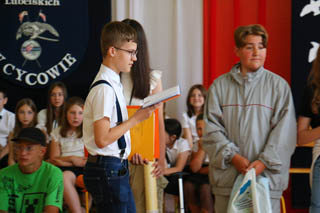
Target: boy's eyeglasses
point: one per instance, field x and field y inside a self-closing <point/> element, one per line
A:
<point x="28" y="148"/>
<point x="131" y="52"/>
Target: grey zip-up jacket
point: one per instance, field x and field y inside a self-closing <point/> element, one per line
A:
<point x="254" y="117"/>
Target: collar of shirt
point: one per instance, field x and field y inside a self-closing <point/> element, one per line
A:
<point x="108" y="73"/>
<point x="1" y="113"/>
<point x="175" y="145"/>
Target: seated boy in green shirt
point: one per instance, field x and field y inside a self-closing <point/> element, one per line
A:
<point x="31" y="185"/>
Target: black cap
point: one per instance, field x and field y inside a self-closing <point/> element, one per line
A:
<point x="31" y="134"/>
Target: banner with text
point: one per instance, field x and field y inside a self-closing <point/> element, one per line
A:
<point x="42" y="40"/>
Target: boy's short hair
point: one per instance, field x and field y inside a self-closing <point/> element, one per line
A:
<point x="199" y="117"/>
<point x="173" y="127"/>
<point x="3" y="91"/>
<point x="242" y="32"/>
<point x="115" y="34"/>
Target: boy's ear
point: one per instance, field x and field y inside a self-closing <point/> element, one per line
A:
<point x="43" y="151"/>
<point x="112" y="51"/>
<point x="173" y="137"/>
<point x="5" y="100"/>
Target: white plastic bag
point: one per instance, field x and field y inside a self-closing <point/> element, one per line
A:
<point x="250" y="194"/>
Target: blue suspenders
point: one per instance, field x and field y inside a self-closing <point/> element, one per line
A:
<point x="121" y="141"/>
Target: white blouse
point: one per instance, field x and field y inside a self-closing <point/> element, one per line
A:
<point x="190" y="123"/>
<point x="42" y="119"/>
<point x="71" y="145"/>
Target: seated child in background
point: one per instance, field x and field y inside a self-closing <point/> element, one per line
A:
<point x="67" y="150"/>
<point x="196" y="186"/>
<point x="26" y="116"/>
<point x="51" y="117"/>
<point x="6" y="125"/>
<point x="177" y="153"/>
<point x="177" y="150"/>
<point x="195" y="106"/>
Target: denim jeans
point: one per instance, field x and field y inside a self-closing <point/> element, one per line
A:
<point x="107" y="180"/>
<point x="315" y="190"/>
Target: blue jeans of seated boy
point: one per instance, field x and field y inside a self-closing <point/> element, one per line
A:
<point x="108" y="183"/>
<point x="315" y="190"/>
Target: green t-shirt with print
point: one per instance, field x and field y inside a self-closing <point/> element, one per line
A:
<point x="30" y="192"/>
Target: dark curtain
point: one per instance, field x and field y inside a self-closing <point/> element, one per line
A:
<point x="304" y="31"/>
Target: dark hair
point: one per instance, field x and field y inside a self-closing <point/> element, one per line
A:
<point x="115" y="34"/>
<point x="3" y="91"/>
<point x="51" y="116"/>
<point x="65" y="126"/>
<point x="190" y="109"/>
<point x="18" y="125"/>
<point x="242" y="32"/>
<point x="314" y="82"/>
<point x="199" y="117"/>
<point x="173" y="127"/>
<point x="140" y="71"/>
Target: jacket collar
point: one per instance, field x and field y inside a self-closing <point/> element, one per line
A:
<point x="251" y="76"/>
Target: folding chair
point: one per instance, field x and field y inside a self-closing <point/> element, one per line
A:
<point x="80" y="184"/>
<point x="283" y="205"/>
<point x="180" y="184"/>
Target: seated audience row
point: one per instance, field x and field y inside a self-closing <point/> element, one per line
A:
<point x="65" y="146"/>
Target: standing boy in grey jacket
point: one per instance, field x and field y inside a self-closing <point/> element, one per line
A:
<point x="250" y="121"/>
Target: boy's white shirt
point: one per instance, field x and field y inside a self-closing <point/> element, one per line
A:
<point x="101" y="103"/>
<point x="7" y="122"/>
<point x="179" y="146"/>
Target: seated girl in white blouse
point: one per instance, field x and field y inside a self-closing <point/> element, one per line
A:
<point x="67" y="151"/>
